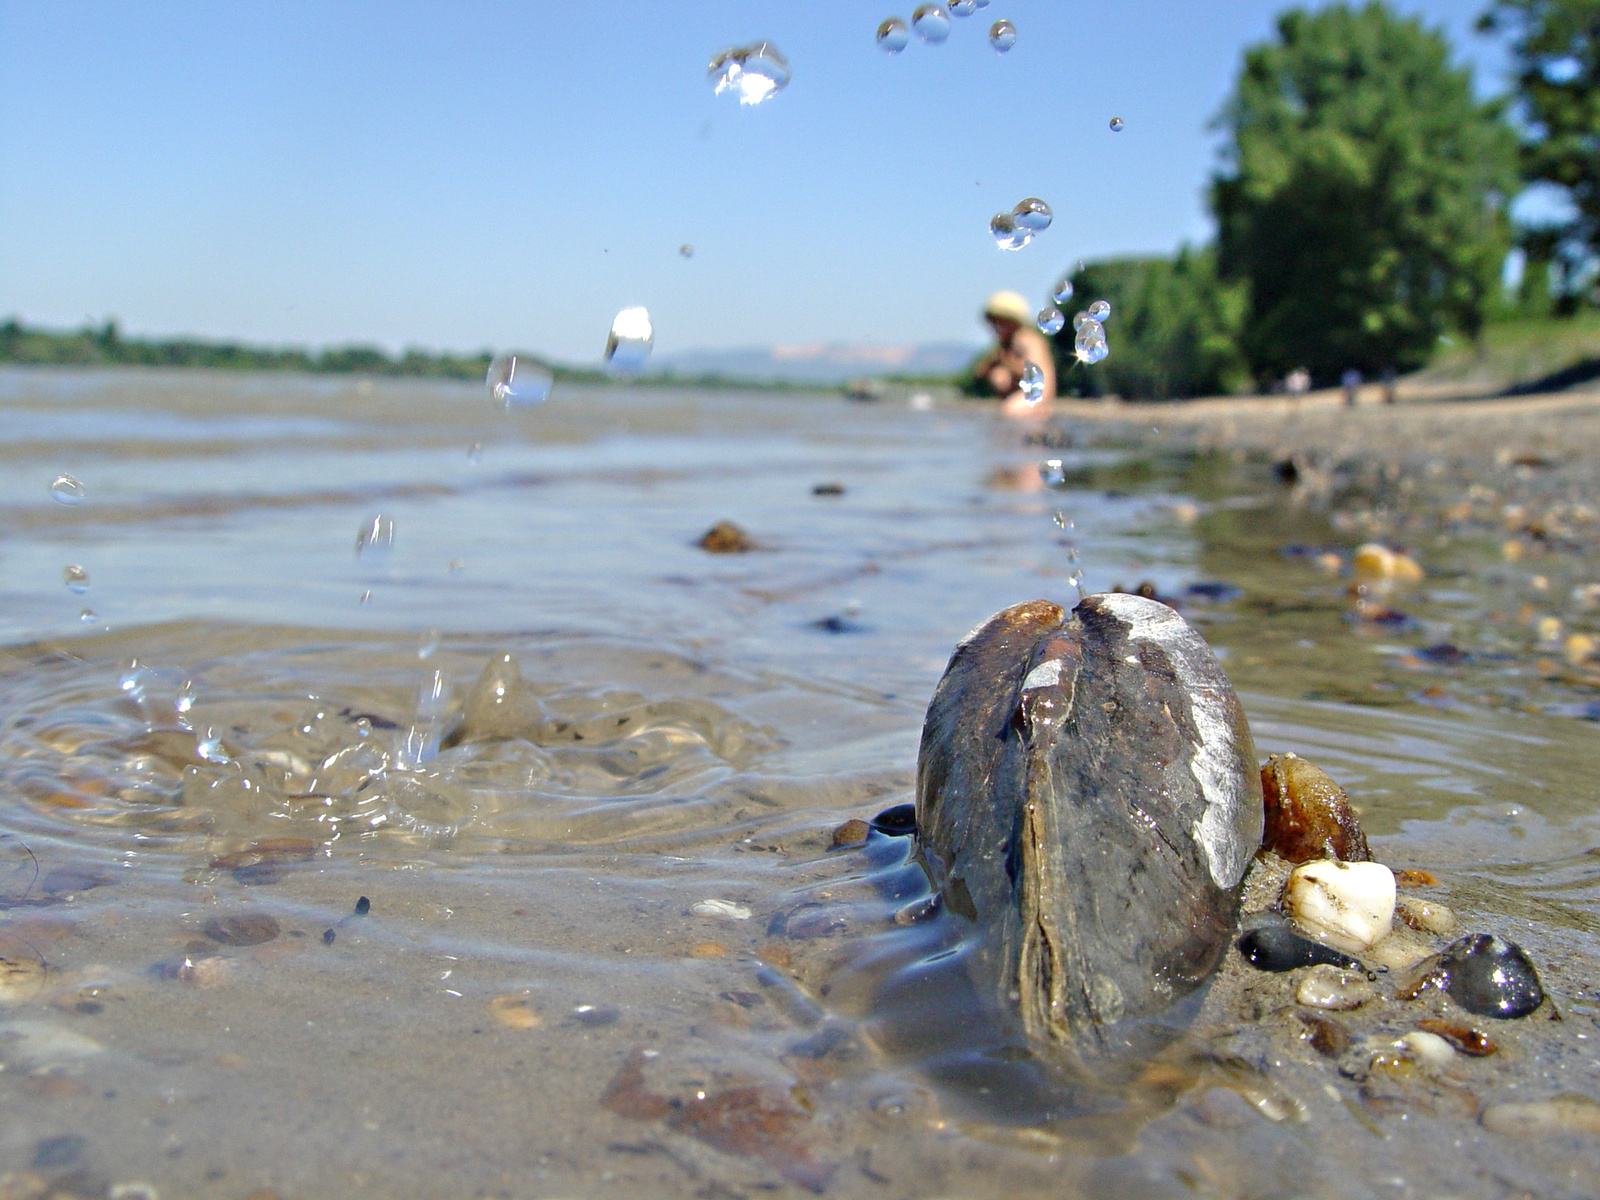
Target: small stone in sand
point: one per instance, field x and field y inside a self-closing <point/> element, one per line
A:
<point x="708" y="950"/>
<point x="515" y="1010"/>
<point x="726" y="538"/>
<point x="242" y="929"/>
<point x="851" y="834"/>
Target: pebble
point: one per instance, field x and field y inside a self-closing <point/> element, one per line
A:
<point x="1415" y="878"/>
<point x="515" y="1010"/>
<point x="727" y="910"/>
<point x="1565" y="1114"/>
<point x="20" y="980"/>
<point x="39" y="1044"/>
<point x="208" y="971"/>
<point x="1464" y="1038"/>
<point x="726" y="538"/>
<point x="898" y="821"/>
<point x="1375" y="563"/>
<point x="1490" y="977"/>
<point x="1327" y="1037"/>
<point x="1308" y="815"/>
<point x="1272" y="946"/>
<point x="1349" y="906"/>
<point x="1335" y="988"/>
<point x="1426" y="916"/>
<point x="852" y="833"/>
<point x="242" y="929"/>
<point x="1427" y="1047"/>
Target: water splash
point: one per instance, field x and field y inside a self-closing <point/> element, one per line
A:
<point x="754" y="73"/>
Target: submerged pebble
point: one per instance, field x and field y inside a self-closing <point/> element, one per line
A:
<point x="899" y="820"/>
<point x="1335" y="988"/>
<point x="852" y="833"/>
<point x="726" y="910"/>
<point x="20" y="979"/>
<point x="1271" y="945"/>
<point x="242" y="929"/>
<point x="726" y="538"/>
<point x="515" y="1010"/>
<point x="1490" y="977"/>
<point x="1349" y="906"/>
<point x="1308" y="815"/>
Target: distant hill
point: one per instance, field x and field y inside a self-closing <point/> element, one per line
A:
<point x="819" y="362"/>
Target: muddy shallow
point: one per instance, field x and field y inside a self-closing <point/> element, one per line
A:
<point x="257" y="729"/>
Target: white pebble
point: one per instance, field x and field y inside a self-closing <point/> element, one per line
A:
<point x="1349" y="906"/>
<point x="1433" y="917"/>
<point x="1427" y="1047"/>
<point x="1334" y="988"/>
<point x="725" y="909"/>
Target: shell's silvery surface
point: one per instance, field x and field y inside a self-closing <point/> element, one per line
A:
<point x="1088" y="797"/>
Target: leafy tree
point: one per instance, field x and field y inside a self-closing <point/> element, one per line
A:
<point x="1173" y="329"/>
<point x="1556" y="47"/>
<point x="1363" y="196"/>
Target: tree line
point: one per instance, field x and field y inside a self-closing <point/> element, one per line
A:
<point x="1363" y="206"/>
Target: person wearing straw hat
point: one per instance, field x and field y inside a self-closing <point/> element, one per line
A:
<point x="1017" y="343"/>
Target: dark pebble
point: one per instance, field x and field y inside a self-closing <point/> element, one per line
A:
<point x="61" y="1151"/>
<point x="327" y="937"/>
<point x="596" y="1014"/>
<point x="1445" y="652"/>
<point x="838" y="624"/>
<point x="828" y="489"/>
<point x="363" y="906"/>
<point x="64" y="881"/>
<point x="1273" y="946"/>
<point x="242" y="929"/>
<point x="1327" y="1036"/>
<point x="899" y="821"/>
<point x="1212" y="592"/>
<point x="1490" y="977"/>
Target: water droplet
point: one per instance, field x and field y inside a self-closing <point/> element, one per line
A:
<point x="753" y="72"/>
<point x="932" y="23"/>
<point x="1032" y="214"/>
<point x="893" y="36"/>
<point x="1062" y="292"/>
<point x="1078" y="318"/>
<point x="455" y="566"/>
<point x="686" y="250"/>
<point x="76" y="579"/>
<point x="88" y="616"/>
<point x="1100" y="310"/>
<point x="629" y="342"/>
<point x="375" y="538"/>
<point x="1051" y="320"/>
<point x="1002" y="36"/>
<point x="1007" y="234"/>
<point x="429" y="643"/>
<point x="1116" y="124"/>
<point x="66" y="490"/>
<point x="366" y="597"/>
<point x="475" y="452"/>
<point x="210" y="747"/>
<point x="512" y="383"/>
<point x="1054" y="474"/>
<point x="1090" y="343"/>
<point x="1032" y="383"/>
<point x="185" y="698"/>
<point x="963" y="8"/>
<point x="983" y="3"/>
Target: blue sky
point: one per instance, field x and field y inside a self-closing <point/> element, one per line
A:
<point x="459" y="175"/>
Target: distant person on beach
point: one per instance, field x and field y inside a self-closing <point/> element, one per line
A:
<point x="1017" y="343"/>
<point x="1350" y="381"/>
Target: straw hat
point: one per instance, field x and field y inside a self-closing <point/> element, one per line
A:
<point x="1008" y="306"/>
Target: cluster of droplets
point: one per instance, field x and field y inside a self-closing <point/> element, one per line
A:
<point x="753" y="73"/>
<point x="931" y="23"/>
<point x="1015" y="229"/>
<point x="1089" y="336"/>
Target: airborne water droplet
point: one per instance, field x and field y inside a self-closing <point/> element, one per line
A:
<point x="629" y="342"/>
<point x="1008" y="235"/>
<point x="1032" y="214"/>
<point x="88" y="616"/>
<point x="932" y="23"/>
<point x="1116" y="124"/>
<point x="962" y="8"/>
<point x="1051" y="320"/>
<point x="64" y="489"/>
<point x="754" y="72"/>
<point x="1078" y="319"/>
<point x="1032" y="383"/>
<point x="686" y="250"/>
<point x="1054" y="474"/>
<point x="1002" y="36"/>
<point x="513" y="383"/>
<point x="893" y="36"/>
<point x="1100" y="310"/>
<point x="1062" y="292"/>
<point x="76" y="579"/>
<point x="1090" y="343"/>
<point x="375" y="538"/>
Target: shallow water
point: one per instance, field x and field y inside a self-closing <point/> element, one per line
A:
<point x="539" y="1001"/>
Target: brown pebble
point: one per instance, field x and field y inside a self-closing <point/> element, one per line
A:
<point x="205" y="972"/>
<point x="515" y="1010"/>
<point x="266" y="861"/>
<point x="1464" y="1038"/>
<point x="276" y="952"/>
<point x="707" y="950"/>
<point x="1413" y="877"/>
<point x="242" y="929"/>
<point x="1308" y="815"/>
<point x="852" y="833"/>
<point x="726" y="538"/>
<point x="1327" y="1036"/>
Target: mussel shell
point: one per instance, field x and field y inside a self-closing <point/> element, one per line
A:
<point x="1088" y="798"/>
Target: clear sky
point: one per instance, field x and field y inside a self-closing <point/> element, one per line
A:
<point x="457" y="174"/>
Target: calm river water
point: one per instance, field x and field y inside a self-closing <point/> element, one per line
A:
<point x="327" y="874"/>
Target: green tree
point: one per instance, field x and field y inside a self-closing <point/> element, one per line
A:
<point x="1173" y="329"/>
<point x="1555" y="45"/>
<point x="1363" y="194"/>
